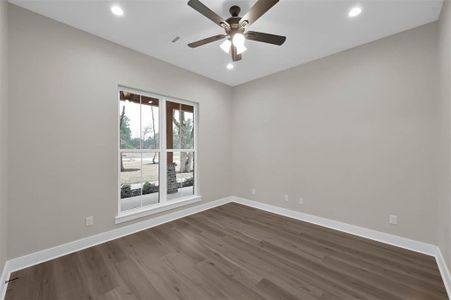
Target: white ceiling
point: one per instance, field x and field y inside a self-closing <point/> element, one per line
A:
<point x="314" y="29"/>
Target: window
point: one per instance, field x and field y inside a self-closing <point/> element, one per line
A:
<point x="157" y="152"/>
<point x="180" y="149"/>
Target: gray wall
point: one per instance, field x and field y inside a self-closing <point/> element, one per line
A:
<point x="62" y="128"/>
<point x="354" y="134"/>
<point x="444" y="233"/>
<point x="3" y="131"/>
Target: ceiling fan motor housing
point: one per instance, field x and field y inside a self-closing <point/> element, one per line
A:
<point x="235" y="10"/>
<point x="234" y="21"/>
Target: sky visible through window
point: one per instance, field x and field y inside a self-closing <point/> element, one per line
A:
<point x="133" y="113"/>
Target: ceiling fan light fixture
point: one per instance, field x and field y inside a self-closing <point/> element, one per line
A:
<point x="225" y="46"/>
<point x="240" y="49"/>
<point x="238" y="39"/>
<point x="235" y="27"/>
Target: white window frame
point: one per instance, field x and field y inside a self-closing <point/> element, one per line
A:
<point x="164" y="204"/>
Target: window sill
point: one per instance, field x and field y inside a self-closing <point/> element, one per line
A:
<point x="155" y="209"/>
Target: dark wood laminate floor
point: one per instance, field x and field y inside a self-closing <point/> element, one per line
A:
<point x="234" y="252"/>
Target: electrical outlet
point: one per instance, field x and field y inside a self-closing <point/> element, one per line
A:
<point x="89" y="221"/>
<point x="285" y="197"/>
<point x="253" y="191"/>
<point x="392" y="219"/>
<point x="301" y="200"/>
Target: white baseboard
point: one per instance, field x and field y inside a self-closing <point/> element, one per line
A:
<point x="35" y="258"/>
<point x="52" y="253"/>
<point x="379" y="236"/>
<point x="371" y="234"/>
<point x="3" y="277"/>
<point x="444" y="271"/>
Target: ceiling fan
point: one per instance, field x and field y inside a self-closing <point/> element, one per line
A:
<point x="236" y="27"/>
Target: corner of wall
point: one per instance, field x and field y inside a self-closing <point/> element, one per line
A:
<point x="444" y="63"/>
<point x="3" y="138"/>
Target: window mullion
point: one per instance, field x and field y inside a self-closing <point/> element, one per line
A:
<point x="163" y="153"/>
<point x="180" y="126"/>
<point x="195" y="155"/>
<point x="141" y="145"/>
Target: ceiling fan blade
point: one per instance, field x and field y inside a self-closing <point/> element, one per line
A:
<point x="235" y="55"/>
<point x="265" y="37"/>
<point x="204" y="10"/>
<point x="257" y="10"/>
<point x="207" y="40"/>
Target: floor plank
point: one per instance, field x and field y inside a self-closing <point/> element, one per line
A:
<point x="234" y="252"/>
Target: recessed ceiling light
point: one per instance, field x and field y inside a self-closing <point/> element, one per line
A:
<point x="355" y="11"/>
<point x="117" y="10"/>
<point x="230" y="66"/>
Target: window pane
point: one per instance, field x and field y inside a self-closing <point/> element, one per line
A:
<point x="130" y="180"/>
<point x="179" y="126"/>
<point x="151" y="182"/>
<point x="186" y="129"/>
<point x="175" y="128"/>
<point x="150" y="123"/>
<point x="180" y="175"/>
<point x="129" y="120"/>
